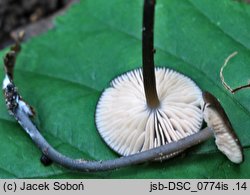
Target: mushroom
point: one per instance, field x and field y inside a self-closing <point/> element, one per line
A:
<point x="149" y="107"/>
<point x="22" y="112"/>
<point x="129" y="125"/>
<point x="225" y="138"/>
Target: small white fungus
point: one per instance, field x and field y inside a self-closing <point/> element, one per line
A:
<point x="225" y="139"/>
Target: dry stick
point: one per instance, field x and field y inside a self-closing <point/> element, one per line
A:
<point x="90" y="166"/>
<point x="222" y="77"/>
<point x="148" y="54"/>
<point x="21" y="111"/>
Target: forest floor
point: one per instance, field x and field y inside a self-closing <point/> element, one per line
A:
<point x="33" y="16"/>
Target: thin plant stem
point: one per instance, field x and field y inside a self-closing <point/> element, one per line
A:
<point x="223" y="80"/>
<point x="94" y="166"/>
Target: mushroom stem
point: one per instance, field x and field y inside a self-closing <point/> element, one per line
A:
<point x="93" y="166"/>
<point x="148" y="54"/>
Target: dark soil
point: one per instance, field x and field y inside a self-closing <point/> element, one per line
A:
<point x="17" y="13"/>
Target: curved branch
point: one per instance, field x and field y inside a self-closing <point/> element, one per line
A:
<point x="87" y="166"/>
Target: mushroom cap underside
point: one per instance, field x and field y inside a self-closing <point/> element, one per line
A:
<point x="128" y="125"/>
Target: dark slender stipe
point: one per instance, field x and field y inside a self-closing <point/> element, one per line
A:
<point x="148" y="54"/>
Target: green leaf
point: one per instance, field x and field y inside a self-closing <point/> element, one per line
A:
<point x="63" y="72"/>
